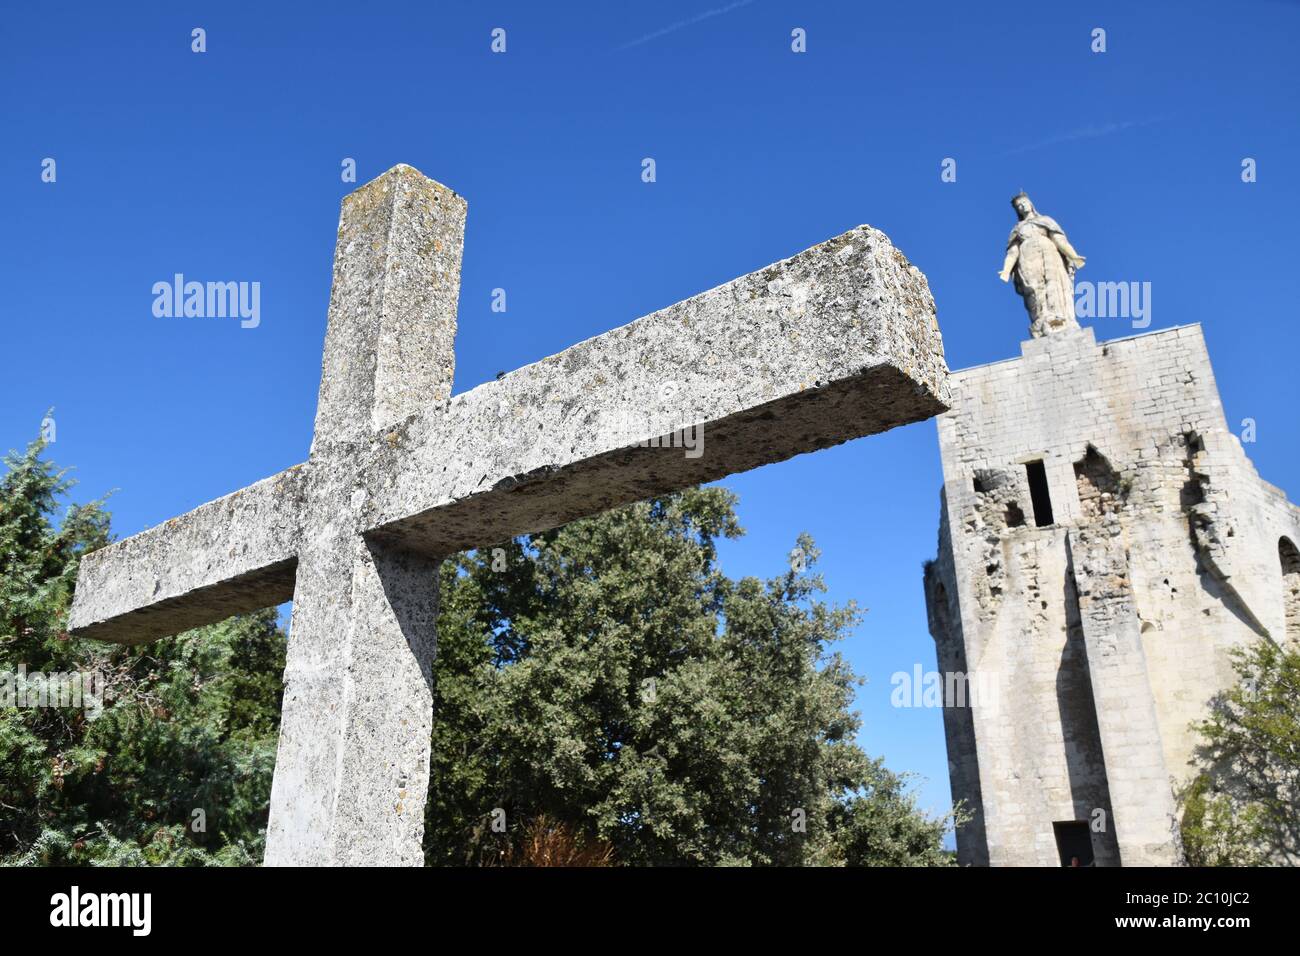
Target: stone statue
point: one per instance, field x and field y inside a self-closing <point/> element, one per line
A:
<point x="1043" y="263"/>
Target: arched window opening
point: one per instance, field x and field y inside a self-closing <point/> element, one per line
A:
<point x="1290" y="558"/>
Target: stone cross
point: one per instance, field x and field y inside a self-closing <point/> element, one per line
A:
<point x="838" y="342"/>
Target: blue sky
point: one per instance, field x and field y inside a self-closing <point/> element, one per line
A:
<point x="225" y="166"/>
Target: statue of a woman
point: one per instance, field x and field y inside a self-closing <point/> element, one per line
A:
<point x="1043" y="263"/>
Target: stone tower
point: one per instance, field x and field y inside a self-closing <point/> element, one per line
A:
<point x="1103" y="543"/>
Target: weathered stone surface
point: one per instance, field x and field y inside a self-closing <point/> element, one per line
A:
<point x="392" y="317"/>
<point x="1128" y="725"/>
<point x="352" y="766"/>
<point x="232" y="555"/>
<point x="1108" y="630"/>
<point x="837" y="342"/>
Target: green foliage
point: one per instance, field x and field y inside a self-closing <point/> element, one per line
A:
<point x="607" y="676"/>
<point x="1244" y="808"/>
<point x="185" y="724"/>
<point x="1215" y="830"/>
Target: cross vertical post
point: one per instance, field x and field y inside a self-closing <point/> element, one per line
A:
<point x="352" y="766"/>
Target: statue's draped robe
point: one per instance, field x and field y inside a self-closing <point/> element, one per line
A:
<point x="1042" y="278"/>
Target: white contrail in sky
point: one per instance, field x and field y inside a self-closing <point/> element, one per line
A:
<point x="718" y="11"/>
<point x="1086" y="132"/>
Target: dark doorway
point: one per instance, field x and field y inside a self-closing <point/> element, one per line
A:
<point x="1038" y="493"/>
<point x="1073" y="840"/>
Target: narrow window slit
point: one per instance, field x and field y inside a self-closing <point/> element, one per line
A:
<point x="1038" y="493"/>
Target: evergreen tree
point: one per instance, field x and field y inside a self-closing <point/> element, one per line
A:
<point x="176" y="727"/>
<point x="1243" y="809"/>
<point x="607" y="677"/>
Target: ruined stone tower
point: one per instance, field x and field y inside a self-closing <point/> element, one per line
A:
<point x="1103" y="542"/>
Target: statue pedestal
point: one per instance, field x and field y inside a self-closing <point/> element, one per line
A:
<point x="1069" y="341"/>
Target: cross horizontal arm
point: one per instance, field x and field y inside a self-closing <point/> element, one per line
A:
<point x="229" y="556"/>
<point x="835" y="343"/>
